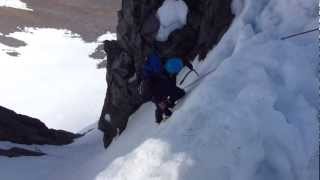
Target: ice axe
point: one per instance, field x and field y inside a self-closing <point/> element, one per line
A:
<point x="185" y="77"/>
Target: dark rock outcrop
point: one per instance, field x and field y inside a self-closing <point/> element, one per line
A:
<point x="137" y="27"/>
<point x="17" y="152"/>
<point x="22" y="129"/>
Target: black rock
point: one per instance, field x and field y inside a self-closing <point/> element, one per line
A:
<point x="22" y="129"/>
<point x="17" y="152"/>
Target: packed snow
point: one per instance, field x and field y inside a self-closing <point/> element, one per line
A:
<point x="53" y="79"/>
<point x="107" y="36"/>
<point x="172" y="15"/>
<point x="14" y="4"/>
<point x="253" y="117"/>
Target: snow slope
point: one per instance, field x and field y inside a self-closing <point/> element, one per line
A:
<point x="253" y="118"/>
<point x="53" y="78"/>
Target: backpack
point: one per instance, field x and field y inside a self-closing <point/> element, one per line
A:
<point x="153" y="66"/>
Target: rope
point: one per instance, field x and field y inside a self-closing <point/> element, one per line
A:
<point x="298" y="34"/>
<point x="200" y="77"/>
<point x="206" y="74"/>
<point x="184" y="78"/>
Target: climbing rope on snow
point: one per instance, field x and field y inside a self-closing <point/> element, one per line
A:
<point x="206" y="74"/>
<point x="199" y="78"/>
<point x="184" y="78"/>
<point x="298" y="34"/>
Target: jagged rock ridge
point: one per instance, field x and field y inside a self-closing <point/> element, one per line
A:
<point x="21" y="129"/>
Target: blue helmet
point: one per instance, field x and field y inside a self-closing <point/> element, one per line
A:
<point x="173" y="65"/>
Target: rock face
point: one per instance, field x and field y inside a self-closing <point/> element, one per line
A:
<point x="17" y="152"/>
<point x="22" y="129"/>
<point x="137" y="28"/>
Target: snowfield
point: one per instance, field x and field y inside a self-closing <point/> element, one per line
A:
<point x="253" y="118"/>
<point x="15" y="4"/>
<point x="37" y="82"/>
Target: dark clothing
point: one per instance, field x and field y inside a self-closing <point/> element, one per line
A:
<point x="159" y="86"/>
<point x="164" y="90"/>
<point x="159" y="113"/>
<point x="163" y="87"/>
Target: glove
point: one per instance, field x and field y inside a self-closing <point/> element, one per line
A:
<point x="163" y="105"/>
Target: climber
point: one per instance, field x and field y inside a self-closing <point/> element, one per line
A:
<point x="159" y="84"/>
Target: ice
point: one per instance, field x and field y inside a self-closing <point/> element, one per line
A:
<point x="107" y="36"/>
<point x="14" y="4"/>
<point x="172" y="15"/>
<point x="156" y="155"/>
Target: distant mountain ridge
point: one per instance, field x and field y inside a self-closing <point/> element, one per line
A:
<point x="90" y="19"/>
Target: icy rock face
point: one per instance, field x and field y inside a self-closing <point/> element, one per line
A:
<point x="138" y="28"/>
<point x="22" y="129"/>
